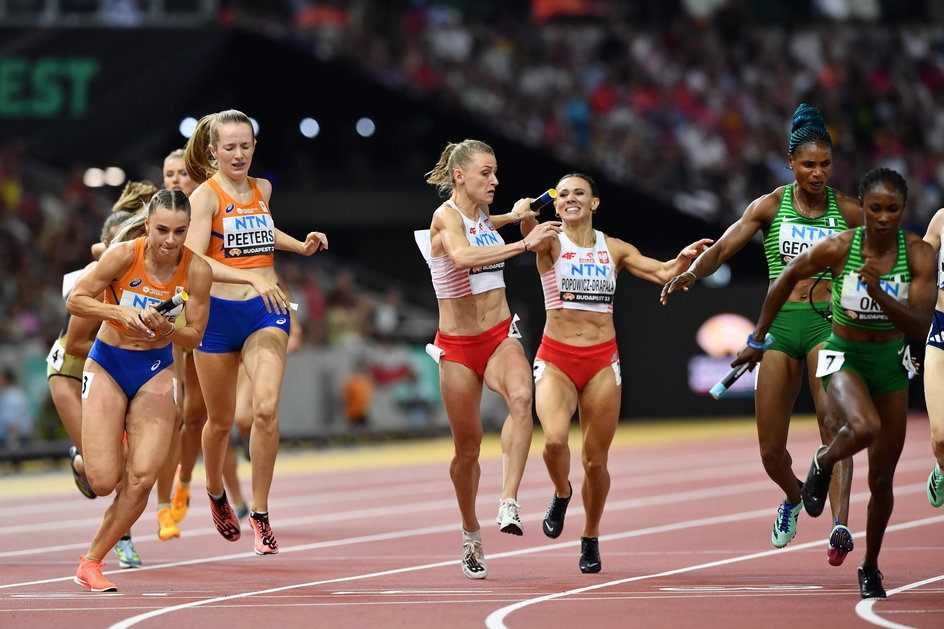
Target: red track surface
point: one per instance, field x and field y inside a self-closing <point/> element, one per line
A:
<point x="686" y="543"/>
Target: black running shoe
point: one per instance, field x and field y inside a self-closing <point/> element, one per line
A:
<point x="870" y="582"/>
<point x="554" y="517"/>
<point x="80" y="481"/>
<point x="816" y="487"/>
<point x="589" y="554"/>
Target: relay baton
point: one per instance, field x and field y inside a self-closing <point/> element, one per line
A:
<point x="736" y="372"/>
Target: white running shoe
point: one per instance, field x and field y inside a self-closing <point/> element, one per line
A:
<point x="473" y="559"/>
<point x="509" y="520"/>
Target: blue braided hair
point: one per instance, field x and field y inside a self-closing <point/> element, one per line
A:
<point x="808" y="126"/>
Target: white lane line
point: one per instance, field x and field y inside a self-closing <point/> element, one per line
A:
<point x="386" y="511"/>
<point x="864" y="608"/>
<point x="496" y="620"/>
<point x="129" y="622"/>
<point x="377" y="512"/>
<point x="649" y="480"/>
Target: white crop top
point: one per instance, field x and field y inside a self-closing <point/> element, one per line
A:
<point x="581" y="278"/>
<point x="450" y="282"/>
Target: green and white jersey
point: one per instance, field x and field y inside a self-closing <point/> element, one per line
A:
<point x="852" y="305"/>
<point x="791" y="232"/>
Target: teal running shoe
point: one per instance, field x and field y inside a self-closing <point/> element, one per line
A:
<point x="936" y="486"/>
<point x="785" y="526"/>
<point x="127" y="555"/>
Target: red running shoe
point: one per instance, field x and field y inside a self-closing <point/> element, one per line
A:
<point x="89" y="575"/>
<point x="264" y="543"/>
<point x="224" y="519"/>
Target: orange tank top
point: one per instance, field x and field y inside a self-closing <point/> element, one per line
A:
<point x="137" y="290"/>
<point x="242" y="235"/>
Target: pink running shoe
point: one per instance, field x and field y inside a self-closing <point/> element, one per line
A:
<point x="264" y="542"/>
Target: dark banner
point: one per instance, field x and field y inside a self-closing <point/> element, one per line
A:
<point x="95" y="94"/>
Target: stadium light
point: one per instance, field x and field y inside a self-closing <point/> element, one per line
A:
<point x="114" y="176"/>
<point x="365" y="127"/>
<point x="309" y="127"/>
<point x="94" y="178"/>
<point x="187" y="126"/>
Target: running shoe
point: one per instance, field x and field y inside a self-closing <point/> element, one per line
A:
<point x="264" y="539"/>
<point x="589" y="555"/>
<point x="166" y="526"/>
<point x="473" y="559"/>
<point x="80" y="481"/>
<point x="242" y="511"/>
<point x="509" y="521"/>
<point x="127" y="555"/>
<point x="554" y="517"/>
<point x="785" y="526"/>
<point x="89" y="575"/>
<point x="840" y="545"/>
<point x="870" y="582"/>
<point x="180" y="500"/>
<point x="936" y="486"/>
<point x="223" y="518"/>
<point x="816" y="487"/>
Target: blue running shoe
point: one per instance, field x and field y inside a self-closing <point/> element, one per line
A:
<point x="127" y="555"/>
<point x="785" y="526"/>
<point x="840" y="545"/>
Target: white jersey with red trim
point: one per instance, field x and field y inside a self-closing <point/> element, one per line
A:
<point x="451" y="282"/>
<point x="582" y="278"/>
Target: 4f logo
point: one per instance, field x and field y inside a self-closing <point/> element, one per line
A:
<point x="569" y="255"/>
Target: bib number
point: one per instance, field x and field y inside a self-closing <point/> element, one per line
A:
<point x="57" y="355"/>
<point x="909" y="363"/>
<point x="513" y="328"/>
<point x="86" y="383"/>
<point x="829" y="362"/>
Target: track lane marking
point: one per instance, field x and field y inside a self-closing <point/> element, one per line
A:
<point x="496" y="620"/>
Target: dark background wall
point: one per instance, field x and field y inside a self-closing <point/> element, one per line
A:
<point x="76" y="98"/>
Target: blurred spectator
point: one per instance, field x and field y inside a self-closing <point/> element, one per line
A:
<point x="415" y="398"/>
<point x="16" y="416"/>
<point x="346" y="312"/>
<point x="388" y="313"/>
<point x="388" y="360"/>
<point x="357" y="392"/>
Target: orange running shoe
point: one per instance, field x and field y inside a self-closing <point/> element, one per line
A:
<point x="89" y="575"/>
<point x="224" y="519"/>
<point x="264" y="542"/>
<point x="166" y="526"/>
<point x="180" y="501"/>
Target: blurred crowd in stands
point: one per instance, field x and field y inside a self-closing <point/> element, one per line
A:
<point x="690" y="101"/>
<point x="48" y="221"/>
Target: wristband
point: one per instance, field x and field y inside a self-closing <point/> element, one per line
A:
<point x="173" y="328"/>
<point x="761" y="345"/>
<point x="525" y="245"/>
<point x="694" y="277"/>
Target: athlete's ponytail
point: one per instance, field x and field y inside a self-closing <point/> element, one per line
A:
<point x="455" y="155"/>
<point x="808" y="126"/>
<point x="197" y="157"/>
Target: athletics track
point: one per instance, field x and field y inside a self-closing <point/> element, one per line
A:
<point x="369" y="538"/>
